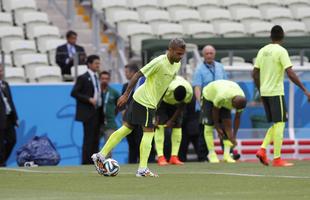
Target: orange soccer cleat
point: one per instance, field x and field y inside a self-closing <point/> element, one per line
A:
<point x="174" y="160"/>
<point x="162" y="161"/>
<point x="278" y="162"/>
<point x="262" y="156"/>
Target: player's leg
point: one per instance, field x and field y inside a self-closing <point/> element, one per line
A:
<point x="261" y="153"/>
<point x="225" y="116"/>
<point x="176" y="137"/>
<point x="279" y="117"/>
<point x="208" y="128"/>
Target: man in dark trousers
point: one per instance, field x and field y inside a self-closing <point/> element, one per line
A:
<point x="65" y="53"/>
<point x="8" y="120"/>
<point x="86" y="91"/>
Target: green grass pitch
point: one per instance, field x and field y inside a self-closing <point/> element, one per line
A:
<point x="191" y="181"/>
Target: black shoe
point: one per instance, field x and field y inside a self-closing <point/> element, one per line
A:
<point x="236" y="156"/>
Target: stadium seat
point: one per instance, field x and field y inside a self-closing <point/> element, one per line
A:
<point x="184" y="16"/>
<point x="143" y="5"/>
<point x="7" y="60"/>
<point x="154" y="16"/>
<point x="199" y="30"/>
<point x="123" y="17"/>
<point x="301" y="13"/>
<point x="43" y="31"/>
<point x="262" y="4"/>
<point x="259" y="29"/>
<point x="294" y="28"/>
<point x="215" y="15"/>
<point x="46" y="45"/>
<point x="47" y="74"/>
<point x="246" y="15"/>
<point x="19" y="6"/>
<point x="296" y="59"/>
<point x="230" y="29"/>
<point x="235" y="59"/>
<point x="296" y="3"/>
<point x="19" y="46"/>
<point x="235" y="3"/>
<point x="168" y="30"/>
<point x="175" y="4"/>
<point x="31" y="18"/>
<point x="6" y="19"/>
<point x="135" y="33"/>
<point x="101" y="5"/>
<point x="81" y="69"/>
<point x="277" y="15"/>
<point x="203" y="4"/>
<point x="8" y="33"/>
<point x="15" y="75"/>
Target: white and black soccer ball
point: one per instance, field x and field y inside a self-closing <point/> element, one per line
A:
<point x="110" y="167"/>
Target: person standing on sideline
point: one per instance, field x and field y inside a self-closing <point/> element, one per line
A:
<point x="87" y="93"/>
<point x="8" y="120"/>
<point x="159" y="73"/>
<point x="271" y="63"/>
<point x="109" y="102"/>
<point x="169" y="115"/>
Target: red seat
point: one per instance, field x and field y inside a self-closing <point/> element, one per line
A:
<point x="249" y="151"/>
<point x="251" y="143"/>
<point x="304" y="142"/>
<point x="304" y="151"/>
<point x="285" y="151"/>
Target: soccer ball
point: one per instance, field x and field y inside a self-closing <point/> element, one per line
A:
<point x="109" y="167"/>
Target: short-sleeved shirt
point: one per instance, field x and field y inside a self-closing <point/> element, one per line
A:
<point x="178" y="81"/>
<point x="206" y="73"/>
<point x="109" y="100"/>
<point x="221" y="93"/>
<point x="272" y="60"/>
<point x="158" y="73"/>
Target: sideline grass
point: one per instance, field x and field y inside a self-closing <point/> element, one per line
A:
<point x="192" y="181"/>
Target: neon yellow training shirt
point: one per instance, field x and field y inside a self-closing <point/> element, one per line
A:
<point x="158" y="73"/>
<point x="178" y="81"/>
<point x="221" y="93"/>
<point x="272" y="60"/>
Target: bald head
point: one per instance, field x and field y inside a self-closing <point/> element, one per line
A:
<point x="208" y="53"/>
<point x="239" y="102"/>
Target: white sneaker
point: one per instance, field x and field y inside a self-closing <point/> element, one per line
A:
<point x="145" y="173"/>
<point x="98" y="159"/>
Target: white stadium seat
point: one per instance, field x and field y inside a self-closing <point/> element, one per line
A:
<point x="143" y="5"/>
<point x="123" y="16"/>
<point x="246" y="15"/>
<point x="297" y="59"/>
<point x="235" y="59"/>
<point x="8" y="33"/>
<point x="43" y="31"/>
<point x="185" y="15"/>
<point x="47" y="74"/>
<point x="177" y="4"/>
<point x="262" y="4"/>
<point x="10" y="5"/>
<point x="294" y="28"/>
<point x="203" y="4"/>
<point x="154" y="16"/>
<point x="301" y="13"/>
<point x="259" y="29"/>
<point x="297" y="3"/>
<point x="230" y="29"/>
<point x="31" y="17"/>
<point x="215" y="15"/>
<point x="7" y="60"/>
<point x="6" y="19"/>
<point x="199" y="30"/>
<point x="235" y="3"/>
<point x="100" y="5"/>
<point x="46" y="45"/>
<point x="19" y="46"/>
<point x="81" y="69"/>
<point x="277" y="15"/>
<point x="15" y="75"/>
<point x="136" y="33"/>
<point x="168" y="30"/>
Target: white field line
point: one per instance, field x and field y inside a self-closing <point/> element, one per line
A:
<point x="177" y="173"/>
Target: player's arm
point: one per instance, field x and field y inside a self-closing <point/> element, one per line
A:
<point x="177" y="113"/>
<point x="236" y="123"/>
<point x="216" y="119"/>
<point x="124" y="98"/>
<point x="256" y="78"/>
<point x="294" y="78"/>
<point x="228" y="130"/>
<point x="197" y="90"/>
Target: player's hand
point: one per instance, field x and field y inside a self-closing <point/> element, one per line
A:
<point x="93" y="101"/>
<point x="169" y="124"/>
<point x="234" y="141"/>
<point x="122" y="101"/>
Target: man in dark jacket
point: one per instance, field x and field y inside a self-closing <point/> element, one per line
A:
<point x="8" y="120"/>
<point x="87" y="93"/>
<point x="65" y="53"/>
